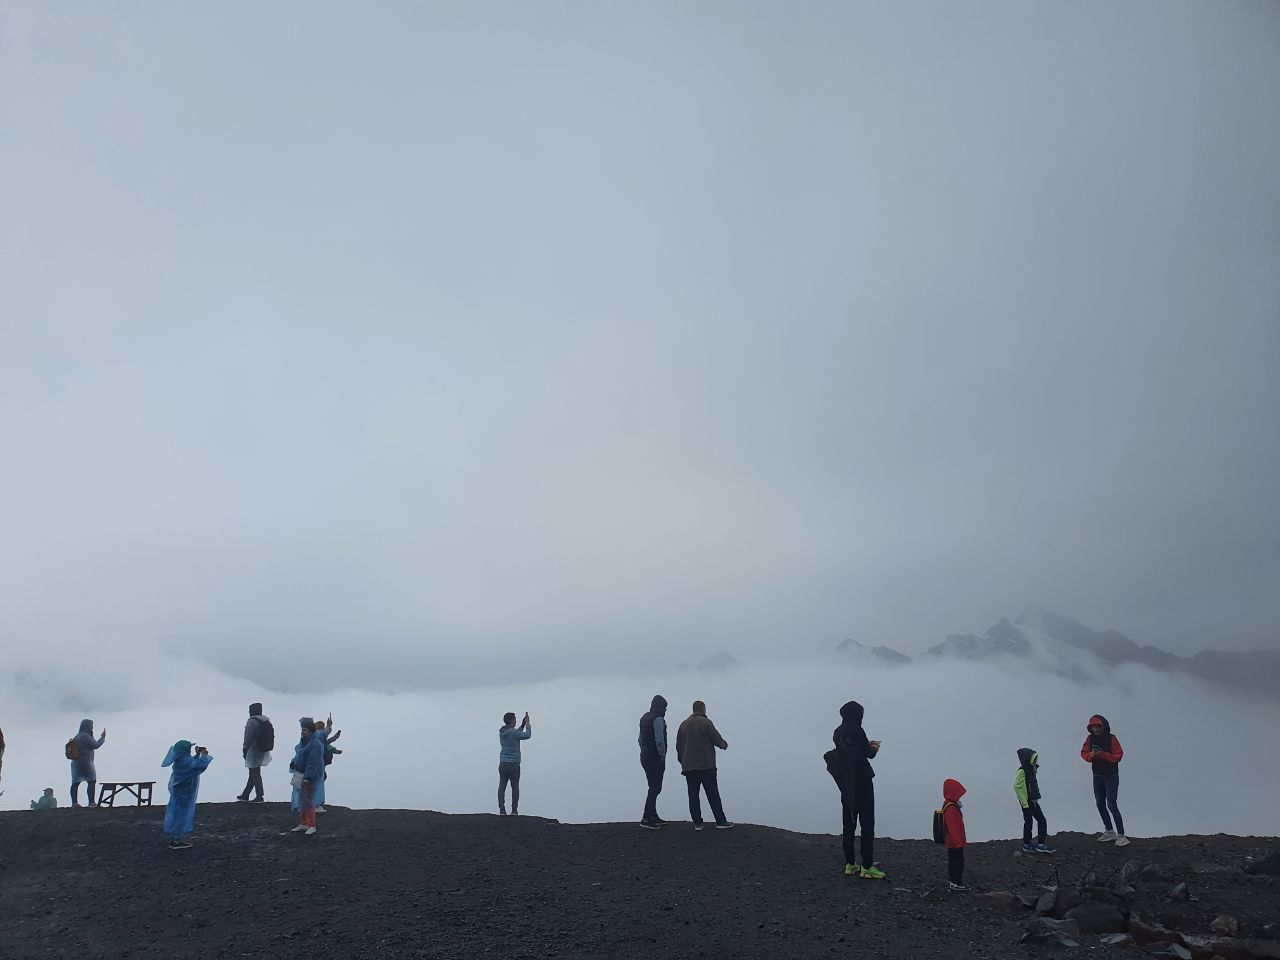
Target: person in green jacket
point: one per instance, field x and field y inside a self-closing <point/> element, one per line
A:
<point x="1026" y="786"/>
<point x="46" y="802"/>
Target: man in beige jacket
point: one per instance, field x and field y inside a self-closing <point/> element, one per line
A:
<point x="696" y="743"/>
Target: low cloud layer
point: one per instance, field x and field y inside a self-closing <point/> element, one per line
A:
<point x="439" y="750"/>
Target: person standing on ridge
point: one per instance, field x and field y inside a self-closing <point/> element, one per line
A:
<point x="854" y="753"/>
<point x="1026" y="787"/>
<point x="259" y="741"/>
<point x="952" y="791"/>
<point x="308" y="770"/>
<point x="509" y="737"/>
<point x="696" y="743"/>
<point x="80" y="751"/>
<point x="184" y="785"/>
<point x="653" y="758"/>
<point x="1103" y="752"/>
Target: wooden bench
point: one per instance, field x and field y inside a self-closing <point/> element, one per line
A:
<point x="140" y="791"/>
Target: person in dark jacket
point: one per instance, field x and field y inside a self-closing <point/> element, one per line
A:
<point x="83" y="769"/>
<point x="1103" y="752"/>
<point x="653" y="758"/>
<point x="697" y="740"/>
<point x="255" y="758"/>
<point x="1026" y="787"/>
<point x="857" y="794"/>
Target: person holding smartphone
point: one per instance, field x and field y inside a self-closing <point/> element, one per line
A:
<point x="1102" y="751"/>
<point x="857" y="793"/>
<point x="509" y="737"/>
<point x="184" y="785"/>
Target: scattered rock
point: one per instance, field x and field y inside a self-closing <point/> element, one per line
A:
<point x="1128" y="871"/>
<point x="1174" y="950"/>
<point x="1001" y="900"/>
<point x="1226" y="925"/>
<point x="1146" y="934"/>
<point x="1153" y="871"/>
<point x="1180" y="892"/>
<point x="1116" y="939"/>
<point x="1269" y="865"/>
<point x="1046" y="930"/>
<point x="1097" y="918"/>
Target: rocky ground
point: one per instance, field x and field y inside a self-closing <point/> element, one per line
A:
<point x="403" y="884"/>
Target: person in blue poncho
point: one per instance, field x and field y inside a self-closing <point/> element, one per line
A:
<point x="80" y="751"/>
<point x="307" y="767"/>
<point x="184" y="784"/>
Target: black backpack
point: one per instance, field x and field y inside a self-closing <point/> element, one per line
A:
<point x="940" y="823"/>
<point x="264" y="738"/>
<point x="832" y="759"/>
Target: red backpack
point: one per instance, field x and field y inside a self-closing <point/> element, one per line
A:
<point x="72" y="749"/>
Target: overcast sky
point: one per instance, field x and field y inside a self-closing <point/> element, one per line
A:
<point x="432" y="342"/>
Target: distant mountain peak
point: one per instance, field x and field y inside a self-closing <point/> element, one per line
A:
<point x="861" y="650"/>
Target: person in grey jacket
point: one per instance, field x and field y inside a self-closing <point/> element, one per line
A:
<point x="83" y="769"/>
<point x="259" y="736"/>
<point x="696" y="743"/>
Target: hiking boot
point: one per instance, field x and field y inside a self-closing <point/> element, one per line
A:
<point x="725" y="826"/>
<point x="956" y="886"/>
<point x="1121" y="840"/>
<point x="243" y="799"/>
<point x="1107" y="836"/>
<point x="873" y="873"/>
<point x="1044" y="848"/>
<point x="697" y="826"/>
<point x="659" y="821"/>
<point x="648" y="825"/>
<point x="298" y="829"/>
<point x="850" y="870"/>
<point x="1028" y="848"/>
<point x="310" y="832"/>
<point x="502" y="811"/>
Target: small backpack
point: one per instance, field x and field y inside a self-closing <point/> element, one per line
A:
<point x="940" y="823"/>
<point x="265" y="736"/>
<point x="72" y="749"/>
<point x="832" y="759"/>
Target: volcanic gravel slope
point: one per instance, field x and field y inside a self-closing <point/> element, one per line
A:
<point x="406" y="884"/>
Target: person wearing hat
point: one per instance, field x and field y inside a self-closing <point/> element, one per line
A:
<point x="307" y="766"/>
<point x="184" y="785"/>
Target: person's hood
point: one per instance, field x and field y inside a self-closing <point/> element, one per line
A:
<point x="1098" y="718"/>
<point x="852" y="713"/>
<point x="658" y="706"/>
<point x="952" y="790"/>
<point x="180" y="749"/>
<point x="307" y="723"/>
<point x="255" y="709"/>
<point x="1028" y="758"/>
<point x="86" y="726"/>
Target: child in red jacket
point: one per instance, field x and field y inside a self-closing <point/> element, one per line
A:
<point x="952" y="791"/>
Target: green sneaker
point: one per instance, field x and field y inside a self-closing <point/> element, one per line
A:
<point x="872" y="873"/>
<point x="850" y="870"/>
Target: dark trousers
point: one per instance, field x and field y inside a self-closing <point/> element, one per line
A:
<point x="1106" y="790"/>
<point x="509" y="773"/>
<point x="955" y="864"/>
<point x="861" y="812"/>
<point x="254" y="784"/>
<point x="1030" y="813"/>
<point x="90" y="787"/>
<point x="654" y="768"/>
<point x="705" y="780"/>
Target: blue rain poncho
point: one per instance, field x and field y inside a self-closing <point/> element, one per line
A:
<point x="308" y="759"/>
<point x="184" y="784"/>
<point x="82" y="768"/>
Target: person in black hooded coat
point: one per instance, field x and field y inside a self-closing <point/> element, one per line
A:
<point x="857" y="793"/>
<point x="653" y="758"/>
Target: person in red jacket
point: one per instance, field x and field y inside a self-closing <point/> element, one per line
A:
<point x="1103" y="752"/>
<point x="952" y="791"/>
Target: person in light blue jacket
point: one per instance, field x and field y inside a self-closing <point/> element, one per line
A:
<point x="509" y="737"/>
<point x="307" y="767"/>
<point x="184" y="785"/>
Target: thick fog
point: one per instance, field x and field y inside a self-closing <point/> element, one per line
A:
<point x="449" y="359"/>
<point x="1184" y="744"/>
